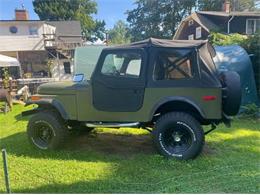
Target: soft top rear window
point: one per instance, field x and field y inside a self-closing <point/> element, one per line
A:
<point x="172" y="64"/>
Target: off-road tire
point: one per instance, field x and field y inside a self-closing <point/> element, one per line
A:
<point x="55" y="123"/>
<point x="182" y="123"/>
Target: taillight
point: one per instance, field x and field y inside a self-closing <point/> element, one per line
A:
<point x="209" y="98"/>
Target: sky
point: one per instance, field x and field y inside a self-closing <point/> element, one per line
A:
<point x="108" y="10"/>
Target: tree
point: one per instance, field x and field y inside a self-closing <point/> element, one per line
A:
<point x="56" y="10"/>
<point x="243" y="5"/>
<point x="98" y="32"/>
<point x="236" y="5"/>
<point x="210" y="5"/>
<point x="157" y="18"/>
<point x="119" y="34"/>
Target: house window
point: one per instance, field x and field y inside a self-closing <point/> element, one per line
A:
<point x="13" y="29"/>
<point x="252" y="26"/>
<point x="198" y="32"/>
<point x="33" y="30"/>
<point x="191" y="37"/>
<point x="67" y="67"/>
<point x="190" y="22"/>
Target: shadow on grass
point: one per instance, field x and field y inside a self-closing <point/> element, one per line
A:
<point x="19" y="117"/>
<point x="96" y="146"/>
<point x="98" y="186"/>
<point x="87" y="147"/>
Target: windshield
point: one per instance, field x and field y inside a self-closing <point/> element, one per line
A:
<point x="86" y="59"/>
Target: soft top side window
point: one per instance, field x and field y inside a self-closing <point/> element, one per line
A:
<point x="174" y="64"/>
<point x="122" y="64"/>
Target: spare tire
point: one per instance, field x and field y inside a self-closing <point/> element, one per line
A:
<point x="231" y="92"/>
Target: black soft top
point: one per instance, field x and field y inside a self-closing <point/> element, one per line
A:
<point x="153" y="42"/>
<point x="204" y="49"/>
<point x="167" y="43"/>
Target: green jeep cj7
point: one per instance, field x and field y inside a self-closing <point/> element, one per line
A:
<point x="170" y="88"/>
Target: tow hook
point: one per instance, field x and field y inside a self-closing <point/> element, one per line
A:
<point x="213" y="127"/>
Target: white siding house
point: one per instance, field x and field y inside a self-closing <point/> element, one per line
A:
<point x="23" y="35"/>
<point x="34" y="42"/>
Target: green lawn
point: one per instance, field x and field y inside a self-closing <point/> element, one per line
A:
<point x="124" y="161"/>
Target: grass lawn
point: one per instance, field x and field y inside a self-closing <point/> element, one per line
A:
<point x="124" y="161"/>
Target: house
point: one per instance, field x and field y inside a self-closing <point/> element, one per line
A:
<point x="199" y="24"/>
<point x="35" y="43"/>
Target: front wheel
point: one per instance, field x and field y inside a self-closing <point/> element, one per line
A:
<point x="178" y="135"/>
<point x="46" y="130"/>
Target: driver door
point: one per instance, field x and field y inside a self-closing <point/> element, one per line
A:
<point x="118" y="82"/>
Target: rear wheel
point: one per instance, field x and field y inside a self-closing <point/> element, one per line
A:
<point x="46" y="130"/>
<point x="178" y="135"/>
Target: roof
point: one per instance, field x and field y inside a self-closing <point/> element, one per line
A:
<point x="225" y="14"/>
<point x="153" y="42"/>
<point x="67" y="28"/>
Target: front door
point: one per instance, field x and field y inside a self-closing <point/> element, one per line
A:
<point x="118" y="82"/>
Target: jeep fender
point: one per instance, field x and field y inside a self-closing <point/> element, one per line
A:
<point x="46" y="103"/>
<point x="176" y="99"/>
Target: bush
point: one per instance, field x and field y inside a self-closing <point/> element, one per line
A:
<point x="5" y="77"/>
<point x="250" y="111"/>
<point x="231" y="39"/>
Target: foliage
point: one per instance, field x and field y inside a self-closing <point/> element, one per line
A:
<point x="98" y="32"/>
<point x="6" y="78"/>
<point x="252" y="46"/>
<point x="119" y="34"/>
<point x="124" y="161"/>
<point x="50" y="64"/>
<point x="210" y="5"/>
<point x="243" y="5"/>
<point x="236" y="5"/>
<point x="157" y="18"/>
<point x="82" y="10"/>
<point x="250" y="111"/>
<point x="223" y="39"/>
<point x="250" y="43"/>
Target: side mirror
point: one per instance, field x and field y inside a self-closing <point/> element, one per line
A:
<point x="78" y="77"/>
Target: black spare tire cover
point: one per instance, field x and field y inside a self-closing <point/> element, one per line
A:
<point x="231" y="92"/>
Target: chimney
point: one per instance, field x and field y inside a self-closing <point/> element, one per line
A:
<point x="21" y="14"/>
<point x="226" y="6"/>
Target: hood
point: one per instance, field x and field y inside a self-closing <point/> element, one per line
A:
<point x="67" y="87"/>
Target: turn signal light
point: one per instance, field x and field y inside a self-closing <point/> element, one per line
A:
<point x="35" y="98"/>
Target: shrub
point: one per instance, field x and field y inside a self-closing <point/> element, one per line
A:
<point x="250" y="111"/>
<point x="223" y="39"/>
<point x="5" y="77"/>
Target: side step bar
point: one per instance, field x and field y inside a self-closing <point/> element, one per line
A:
<point x="112" y="125"/>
